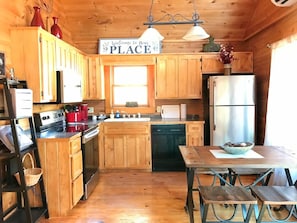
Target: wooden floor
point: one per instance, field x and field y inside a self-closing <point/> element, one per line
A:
<point x="157" y="197"/>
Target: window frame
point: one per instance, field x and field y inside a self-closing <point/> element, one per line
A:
<point x="108" y="76"/>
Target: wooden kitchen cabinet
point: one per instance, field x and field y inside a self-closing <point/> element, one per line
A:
<point x="167" y="77"/>
<point x="61" y="160"/>
<point x="195" y="133"/>
<point x="93" y="79"/>
<point x="126" y="146"/>
<point x="34" y="61"/>
<point x="243" y="63"/>
<point x="66" y="56"/>
<point x="69" y="58"/>
<point x="62" y="55"/>
<point x="179" y="77"/>
<point x="190" y="77"/>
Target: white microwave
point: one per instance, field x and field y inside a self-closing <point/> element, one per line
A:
<point x="69" y="87"/>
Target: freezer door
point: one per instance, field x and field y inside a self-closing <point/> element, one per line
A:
<point x="231" y="124"/>
<point x="232" y="90"/>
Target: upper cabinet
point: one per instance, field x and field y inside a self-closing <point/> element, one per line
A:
<point x="38" y="55"/>
<point x="178" y="76"/>
<point x="190" y="77"/>
<point x="34" y="60"/>
<point x="69" y="58"/>
<point x="167" y="77"/>
<point x="93" y="79"/>
<point x="243" y="63"/>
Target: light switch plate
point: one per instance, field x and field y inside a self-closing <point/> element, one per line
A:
<point x="158" y="108"/>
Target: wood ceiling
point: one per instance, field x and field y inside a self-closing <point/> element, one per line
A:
<point x="231" y="20"/>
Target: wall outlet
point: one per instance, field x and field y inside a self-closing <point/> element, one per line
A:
<point x="158" y="108"/>
<point x="90" y="110"/>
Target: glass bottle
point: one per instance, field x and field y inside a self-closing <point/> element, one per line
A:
<point x="55" y="29"/>
<point x="37" y="19"/>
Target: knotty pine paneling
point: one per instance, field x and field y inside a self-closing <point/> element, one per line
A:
<point x="272" y="14"/>
<point x="20" y="13"/>
<point x="262" y="56"/>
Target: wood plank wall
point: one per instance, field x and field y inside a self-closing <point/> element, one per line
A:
<point x="262" y="55"/>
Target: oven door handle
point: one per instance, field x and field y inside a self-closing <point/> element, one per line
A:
<point x="90" y="135"/>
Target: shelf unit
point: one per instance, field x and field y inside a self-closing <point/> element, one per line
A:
<point x="21" y="211"/>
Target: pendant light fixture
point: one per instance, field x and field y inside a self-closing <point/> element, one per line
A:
<point x="195" y="33"/>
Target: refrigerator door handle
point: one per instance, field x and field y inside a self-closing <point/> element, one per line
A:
<point x="213" y="92"/>
<point x="214" y="118"/>
<point x="214" y="106"/>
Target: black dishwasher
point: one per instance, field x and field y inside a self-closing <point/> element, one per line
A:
<point x="165" y="152"/>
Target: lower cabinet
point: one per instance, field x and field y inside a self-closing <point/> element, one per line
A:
<point x="126" y="146"/>
<point x="61" y="161"/>
<point x="195" y="134"/>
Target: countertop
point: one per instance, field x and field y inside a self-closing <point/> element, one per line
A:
<point x="57" y="135"/>
<point x="68" y="135"/>
<point x="153" y="121"/>
<point x="157" y="119"/>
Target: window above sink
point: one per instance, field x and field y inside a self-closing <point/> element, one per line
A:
<point x="129" y="83"/>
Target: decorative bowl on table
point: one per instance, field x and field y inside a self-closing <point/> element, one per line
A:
<point x="238" y="148"/>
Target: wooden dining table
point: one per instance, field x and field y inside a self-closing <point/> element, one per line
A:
<point x="214" y="158"/>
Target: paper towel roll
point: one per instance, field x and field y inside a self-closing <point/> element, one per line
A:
<point x="183" y="111"/>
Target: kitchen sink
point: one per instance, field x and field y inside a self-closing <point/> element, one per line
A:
<point x="127" y="120"/>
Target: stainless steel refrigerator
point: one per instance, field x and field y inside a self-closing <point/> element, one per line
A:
<point x="231" y="109"/>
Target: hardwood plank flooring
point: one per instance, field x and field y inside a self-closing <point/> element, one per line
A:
<point x="136" y="197"/>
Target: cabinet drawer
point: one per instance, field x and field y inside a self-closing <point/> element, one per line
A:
<point x="126" y="128"/>
<point x="76" y="164"/>
<point x="77" y="189"/>
<point x="193" y="128"/>
<point x="75" y="145"/>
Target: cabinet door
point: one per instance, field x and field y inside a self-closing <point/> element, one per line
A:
<point x="243" y="62"/>
<point x="167" y="77"/>
<point x="82" y="64"/>
<point x="190" y="77"/>
<point x="138" y="152"/>
<point x="62" y="55"/>
<point x="48" y="72"/>
<point x="35" y="61"/>
<point x="77" y="189"/>
<point x="211" y="64"/>
<point x="114" y="152"/>
<point x="93" y="79"/>
<point x="195" y="134"/>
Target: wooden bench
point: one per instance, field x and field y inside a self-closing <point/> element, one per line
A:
<point x="270" y="196"/>
<point x="231" y="197"/>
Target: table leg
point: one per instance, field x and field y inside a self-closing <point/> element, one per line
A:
<point x="190" y="203"/>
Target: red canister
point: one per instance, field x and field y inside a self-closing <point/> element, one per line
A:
<point x="84" y="112"/>
<point x="73" y="117"/>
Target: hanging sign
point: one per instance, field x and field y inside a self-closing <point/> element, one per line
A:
<point x="128" y="46"/>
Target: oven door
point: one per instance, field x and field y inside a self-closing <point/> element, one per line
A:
<point x="90" y="149"/>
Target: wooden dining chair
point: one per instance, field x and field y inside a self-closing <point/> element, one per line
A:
<point x="275" y="196"/>
<point x="228" y="196"/>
